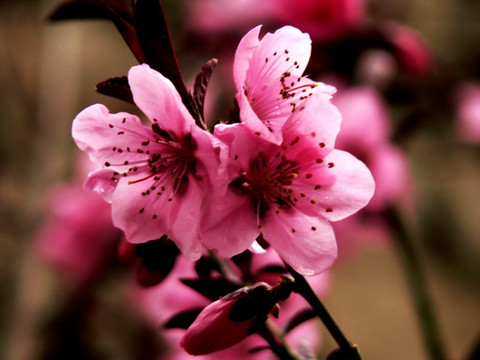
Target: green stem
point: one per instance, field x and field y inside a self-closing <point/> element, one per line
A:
<point x="303" y="288"/>
<point x="417" y="284"/>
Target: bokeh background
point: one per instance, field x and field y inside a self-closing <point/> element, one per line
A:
<point x="47" y="75"/>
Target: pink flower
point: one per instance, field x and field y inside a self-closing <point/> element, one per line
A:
<point x="220" y="15"/>
<point x="411" y="50"/>
<point x="322" y="19"/>
<point x="468" y="112"/>
<point x="362" y="108"/>
<point x="288" y="193"/>
<point x="155" y="175"/>
<point x="269" y="81"/>
<point x="77" y="236"/>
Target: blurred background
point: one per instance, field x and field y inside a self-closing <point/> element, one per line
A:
<point x="48" y="73"/>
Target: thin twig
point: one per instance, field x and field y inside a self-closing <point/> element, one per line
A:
<point x="417" y="284"/>
<point x="304" y="289"/>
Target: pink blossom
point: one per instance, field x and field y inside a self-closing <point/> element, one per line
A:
<point x="366" y="134"/>
<point x="322" y="19"/>
<point x="155" y="175"/>
<point x="219" y="15"/>
<point x="288" y="193"/>
<point x="77" y="236"/>
<point x="468" y="112"/>
<point x="362" y="108"/>
<point x="268" y="77"/>
<point x="411" y="50"/>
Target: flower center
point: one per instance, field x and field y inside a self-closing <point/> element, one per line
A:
<point x="267" y="183"/>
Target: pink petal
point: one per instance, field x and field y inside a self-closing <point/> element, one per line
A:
<point x="101" y="182"/>
<point x="156" y="96"/>
<point x="229" y="225"/>
<point x="135" y="214"/>
<point x="352" y="189"/>
<point x="317" y="119"/>
<point x="243" y="55"/>
<point x="307" y="243"/>
<point x="107" y="138"/>
<point x="185" y="221"/>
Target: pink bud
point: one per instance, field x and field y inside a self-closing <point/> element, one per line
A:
<point x="229" y="320"/>
<point x="214" y="330"/>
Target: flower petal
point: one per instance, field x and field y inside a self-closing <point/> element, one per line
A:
<point x="306" y="243"/>
<point x="229" y="225"/>
<point x="101" y="182"/>
<point x="109" y="139"/>
<point x="156" y="96"/>
<point x="352" y="189"/>
<point x="137" y="215"/>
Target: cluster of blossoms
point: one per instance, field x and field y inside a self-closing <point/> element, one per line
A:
<point x="274" y="176"/>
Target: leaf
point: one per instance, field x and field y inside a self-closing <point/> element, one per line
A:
<point x="212" y="289"/>
<point x="298" y="319"/>
<point x="116" y="87"/>
<point x="79" y="9"/>
<point x="201" y="84"/>
<point x="183" y="319"/>
<point x="157" y="48"/>
<point x="257" y="349"/>
<point x="124" y="20"/>
<point x="116" y="10"/>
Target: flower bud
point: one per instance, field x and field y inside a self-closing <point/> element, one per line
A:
<point x="230" y="319"/>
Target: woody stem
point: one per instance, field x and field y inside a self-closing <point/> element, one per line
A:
<point x="277" y="345"/>
<point x="303" y="288"/>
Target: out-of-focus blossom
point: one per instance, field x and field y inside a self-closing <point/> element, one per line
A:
<point x="221" y="15"/>
<point x="155" y="175"/>
<point x="411" y="51"/>
<point x="288" y="193"/>
<point x="468" y="112"/>
<point x="322" y="19"/>
<point x="78" y="236"/>
<point x="268" y="76"/>
<point x="366" y="134"/>
<point x="377" y="68"/>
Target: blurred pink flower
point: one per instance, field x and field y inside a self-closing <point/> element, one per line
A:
<point x="155" y="175"/>
<point x="322" y="19"/>
<point x="220" y="15"/>
<point x="268" y="76"/>
<point x="366" y="134"/>
<point x="78" y="236"/>
<point x="411" y="51"/>
<point x="287" y="193"/>
<point x="468" y="112"/>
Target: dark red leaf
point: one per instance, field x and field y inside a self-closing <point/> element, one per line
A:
<point x="183" y="320"/>
<point x="79" y="9"/>
<point x="201" y="84"/>
<point x="212" y="289"/>
<point x="116" y="87"/>
<point x="156" y="45"/>
<point x="299" y="318"/>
